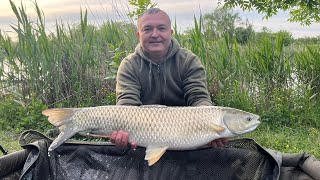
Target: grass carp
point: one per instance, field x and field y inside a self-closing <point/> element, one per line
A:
<point x="156" y="127"/>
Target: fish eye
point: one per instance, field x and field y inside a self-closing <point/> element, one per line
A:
<point x="249" y="118"/>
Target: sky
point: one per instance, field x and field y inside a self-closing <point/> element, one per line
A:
<point x="99" y="11"/>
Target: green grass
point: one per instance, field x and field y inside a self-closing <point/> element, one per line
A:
<point x="9" y="141"/>
<point x="288" y="139"/>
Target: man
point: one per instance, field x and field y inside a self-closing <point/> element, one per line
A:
<point x="160" y="72"/>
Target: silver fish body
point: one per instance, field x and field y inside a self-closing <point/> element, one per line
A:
<point x="156" y="127"/>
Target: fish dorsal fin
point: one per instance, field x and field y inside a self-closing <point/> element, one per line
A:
<point x="59" y="116"/>
<point x="217" y="128"/>
<point x="154" y="153"/>
<point x="154" y="106"/>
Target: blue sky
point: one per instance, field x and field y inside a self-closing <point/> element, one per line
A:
<point x="68" y="11"/>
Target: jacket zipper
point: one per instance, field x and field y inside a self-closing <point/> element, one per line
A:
<point x="160" y="80"/>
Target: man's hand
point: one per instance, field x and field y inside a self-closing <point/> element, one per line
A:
<point x="218" y="142"/>
<point x="121" y="139"/>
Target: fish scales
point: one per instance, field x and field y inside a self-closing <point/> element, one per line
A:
<point x="172" y="126"/>
<point x="156" y="127"/>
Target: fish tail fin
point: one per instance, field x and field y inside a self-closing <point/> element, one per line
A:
<point x="61" y="118"/>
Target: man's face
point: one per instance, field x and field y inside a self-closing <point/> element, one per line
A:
<point x="154" y="32"/>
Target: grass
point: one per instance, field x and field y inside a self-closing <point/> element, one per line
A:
<point x="9" y="141"/>
<point x="283" y="139"/>
<point x="288" y="139"/>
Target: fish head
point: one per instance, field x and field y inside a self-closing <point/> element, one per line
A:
<point x="240" y="122"/>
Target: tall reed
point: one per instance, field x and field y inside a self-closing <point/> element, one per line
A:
<point x="71" y="65"/>
<point x="265" y="75"/>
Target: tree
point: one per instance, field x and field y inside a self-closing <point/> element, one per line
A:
<point x="140" y="7"/>
<point x="286" y="36"/>
<point x="220" y="22"/>
<point x="243" y="34"/>
<point x="302" y="11"/>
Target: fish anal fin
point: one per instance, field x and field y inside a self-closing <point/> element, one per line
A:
<point x="154" y="153"/>
<point x="217" y="128"/>
<point x="59" y="116"/>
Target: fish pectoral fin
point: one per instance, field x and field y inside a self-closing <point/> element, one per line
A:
<point x="217" y="128"/>
<point x="62" y="137"/>
<point x="154" y="153"/>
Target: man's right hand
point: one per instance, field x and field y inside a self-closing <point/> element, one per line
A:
<point x="121" y="139"/>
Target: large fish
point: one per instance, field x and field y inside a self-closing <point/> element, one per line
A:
<point x="156" y="127"/>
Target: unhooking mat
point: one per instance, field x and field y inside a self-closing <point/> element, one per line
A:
<point x="241" y="159"/>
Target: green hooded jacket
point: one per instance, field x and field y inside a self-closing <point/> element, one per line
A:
<point x="178" y="80"/>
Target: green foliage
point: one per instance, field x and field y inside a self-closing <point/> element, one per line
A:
<point x="219" y="23"/>
<point x="14" y="116"/>
<point x="307" y="40"/>
<point x="308" y="69"/>
<point x="267" y="74"/>
<point x="305" y="12"/>
<point x="72" y="66"/>
<point x="296" y="139"/>
<point x="236" y="96"/>
<point x="244" y="34"/>
<point x="9" y="141"/>
<point x="286" y="37"/>
<point x="140" y="7"/>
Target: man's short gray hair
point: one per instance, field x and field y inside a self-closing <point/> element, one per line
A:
<point x="152" y="11"/>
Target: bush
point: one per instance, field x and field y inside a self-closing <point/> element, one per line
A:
<point x="14" y="116"/>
